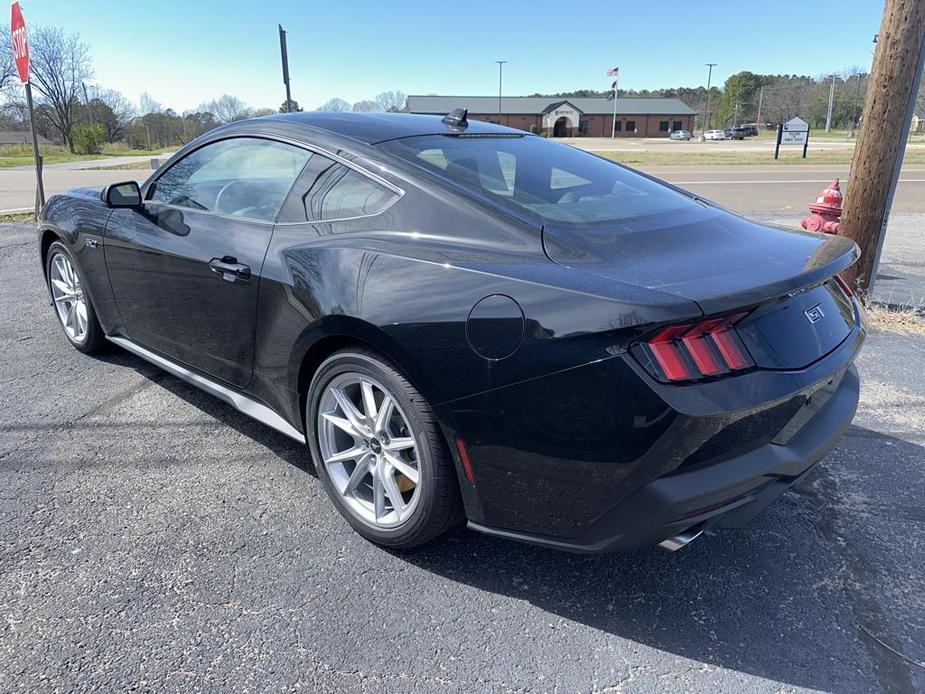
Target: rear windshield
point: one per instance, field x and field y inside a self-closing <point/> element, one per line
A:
<point x="558" y="183"/>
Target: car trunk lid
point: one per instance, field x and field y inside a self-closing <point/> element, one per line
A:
<point x="728" y="264"/>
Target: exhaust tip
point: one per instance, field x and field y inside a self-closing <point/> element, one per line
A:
<point x="682" y="539"/>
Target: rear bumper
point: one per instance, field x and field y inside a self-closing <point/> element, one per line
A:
<point x="722" y="494"/>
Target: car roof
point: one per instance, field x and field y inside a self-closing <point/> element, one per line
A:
<point x="372" y="128"/>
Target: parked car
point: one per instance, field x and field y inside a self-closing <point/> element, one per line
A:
<point x="715" y="135"/>
<point x="750" y="129"/>
<point x="737" y="133"/>
<point x="680" y="135"/>
<point x="465" y="321"/>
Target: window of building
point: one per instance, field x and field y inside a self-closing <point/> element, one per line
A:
<point x="583" y="127"/>
<point x="677" y="125"/>
<point x="630" y="126"/>
<point x="618" y="126"/>
<point x="663" y="126"/>
<point x="328" y="191"/>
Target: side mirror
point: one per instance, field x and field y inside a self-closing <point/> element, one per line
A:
<point x="126" y="194"/>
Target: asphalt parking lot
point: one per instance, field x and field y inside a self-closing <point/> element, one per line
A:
<point x="153" y="538"/>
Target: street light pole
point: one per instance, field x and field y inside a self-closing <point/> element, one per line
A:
<point x="87" y="102"/>
<point x="500" y="70"/>
<point x="828" y="112"/>
<point x="706" y="118"/>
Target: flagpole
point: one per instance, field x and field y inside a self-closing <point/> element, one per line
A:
<point x="613" y="124"/>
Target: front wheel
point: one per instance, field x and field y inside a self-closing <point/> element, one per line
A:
<point x="379" y="451"/>
<point x="72" y="304"/>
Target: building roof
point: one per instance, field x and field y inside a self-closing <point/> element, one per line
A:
<point x="20" y="137"/>
<point x="533" y="105"/>
<point x="556" y="104"/>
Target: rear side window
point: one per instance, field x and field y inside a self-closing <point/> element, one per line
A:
<point x="556" y="183"/>
<point x="328" y="191"/>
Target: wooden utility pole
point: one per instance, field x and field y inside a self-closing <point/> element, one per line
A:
<point x="891" y="91"/>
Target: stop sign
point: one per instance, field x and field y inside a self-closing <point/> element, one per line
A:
<point x="20" y="44"/>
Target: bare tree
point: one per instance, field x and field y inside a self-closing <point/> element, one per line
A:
<point x="227" y="108"/>
<point x="60" y="63"/>
<point x="7" y="64"/>
<point x="148" y="104"/>
<point x="334" y="104"/>
<point x="366" y="105"/>
<point x="391" y="101"/>
<point x="112" y="110"/>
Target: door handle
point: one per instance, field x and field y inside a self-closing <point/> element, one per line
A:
<point x="230" y="269"/>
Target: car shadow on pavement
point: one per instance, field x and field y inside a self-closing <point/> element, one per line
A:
<point x="282" y="446"/>
<point x="803" y="595"/>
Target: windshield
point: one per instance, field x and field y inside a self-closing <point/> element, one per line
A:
<point x="558" y="183"/>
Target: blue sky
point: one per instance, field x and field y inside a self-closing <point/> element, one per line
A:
<point x="186" y="52"/>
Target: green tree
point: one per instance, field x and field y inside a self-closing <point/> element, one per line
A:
<point x="739" y="102"/>
<point x="88" y="139"/>
<point x="290" y="106"/>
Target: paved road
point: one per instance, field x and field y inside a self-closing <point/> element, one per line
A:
<point x="151" y="537"/>
<point x="901" y="275"/>
<point x="745" y="189"/>
<point x="783" y="188"/>
<point x="751" y="145"/>
<point x="17" y="186"/>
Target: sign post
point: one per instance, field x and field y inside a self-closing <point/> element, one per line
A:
<point x="21" y="54"/>
<point x="284" y="55"/>
<point x="794" y="132"/>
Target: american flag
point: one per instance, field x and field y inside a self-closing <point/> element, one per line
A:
<point x="613" y="72"/>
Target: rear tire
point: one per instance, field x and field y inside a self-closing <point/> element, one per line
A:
<point x="379" y="451"/>
<point x="71" y="303"/>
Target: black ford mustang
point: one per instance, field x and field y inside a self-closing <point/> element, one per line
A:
<point x="465" y="321"/>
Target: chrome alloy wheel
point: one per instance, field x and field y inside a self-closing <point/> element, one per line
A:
<point x="369" y="450"/>
<point x="68" y="297"/>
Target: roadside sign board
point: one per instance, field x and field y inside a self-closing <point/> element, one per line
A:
<point x="794" y="132"/>
<point x="20" y="43"/>
<point x="794" y="137"/>
<point x="796" y="124"/>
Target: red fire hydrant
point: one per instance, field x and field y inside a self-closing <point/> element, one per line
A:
<point x="825" y="213"/>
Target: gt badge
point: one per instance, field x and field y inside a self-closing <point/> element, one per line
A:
<point x="814" y="314"/>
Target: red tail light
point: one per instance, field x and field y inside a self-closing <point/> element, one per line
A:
<point x="844" y="285"/>
<point x="694" y="350"/>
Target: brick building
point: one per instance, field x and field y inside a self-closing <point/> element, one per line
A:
<point x="567" y="117"/>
